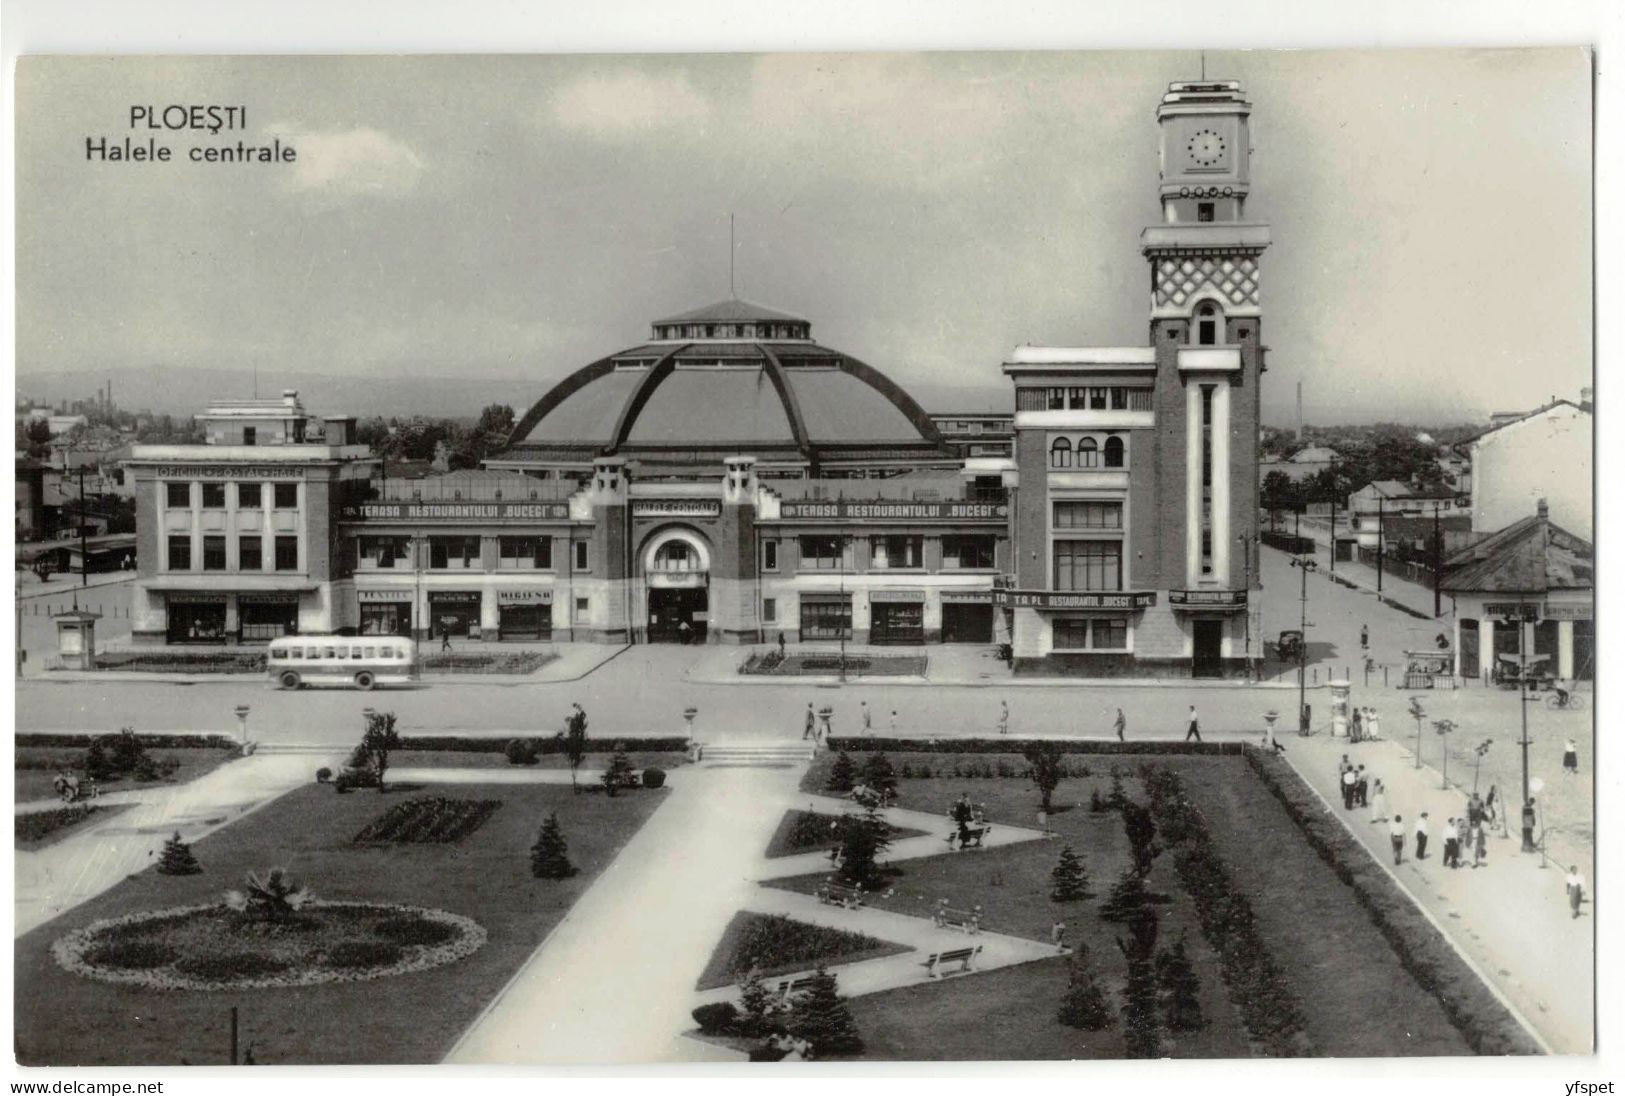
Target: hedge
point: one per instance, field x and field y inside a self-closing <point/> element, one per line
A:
<point x="149" y="741"/>
<point x="1013" y="745"/>
<point x="1483" y="1021"/>
<point x="545" y="744"/>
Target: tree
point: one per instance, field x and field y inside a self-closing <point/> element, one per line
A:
<point x="1069" y="880"/>
<point x="1128" y="896"/>
<point x="879" y="775"/>
<point x="1045" y="759"/>
<point x="378" y="740"/>
<point x="1084" y="1004"/>
<point x="1179" y="986"/>
<point x="821" y="1017"/>
<point x="575" y="743"/>
<point x="496" y="421"/>
<point x="841" y="773"/>
<point x="619" y="773"/>
<point x="549" y="857"/>
<point x="860" y="841"/>
<point x="275" y="898"/>
<point x="38" y="434"/>
<point x="1142" y="834"/>
<point x="1140" y="1026"/>
<point x="177" y="858"/>
<point x="755" y="1004"/>
<point x="1116" y="797"/>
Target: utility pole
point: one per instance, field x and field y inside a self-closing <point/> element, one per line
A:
<point x="84" y="539"/>
<point x="1518" y="621"/>
<point x="1332" y="565"/>
<point x="1438" y="560"/>
<point x="844" y="543"/>
<point x="1379" y="542"/>
<point x="1304" y="566"/>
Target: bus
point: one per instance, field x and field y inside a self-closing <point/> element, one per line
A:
<point x="362" y="661"/>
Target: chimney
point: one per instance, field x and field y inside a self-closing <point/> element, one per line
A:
<point x="1540" y="509"/>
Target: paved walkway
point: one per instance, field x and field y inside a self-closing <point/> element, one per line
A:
<point x="58" y="877"/>
<point x="1510" y="918"/>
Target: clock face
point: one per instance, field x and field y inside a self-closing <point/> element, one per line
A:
<point x="1206" y="148"/>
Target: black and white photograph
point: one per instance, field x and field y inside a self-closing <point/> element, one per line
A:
<point x="696" y="559"/>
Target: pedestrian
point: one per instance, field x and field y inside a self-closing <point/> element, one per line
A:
<point x="1379" y="801"/>
<point x="1354" y="726"/>
<point x="1464" y="840"/>
<point x="825" y="715"/>
<point x="578" y="717"/>
<point x="1349" y="782"/>
<point x="863" y="712"/>
<point x="1194" y="730"/>
<point x="1365" y="638"/>
<point x="1475" y="810"/>
<point x="1120" y="725"/>
<point x="1528" y="821"/>
<point x="1475" y="838"/>
<point x="1422" y="836"/>
<point x="1057" y="935"/>
<point x="1373" y="729"/>
<point x="685" y="632"/>
<point x="1004" y="717"/>
<point x="1360" y="787"/>
<point x="894" y="721"/>
<point x="1575" y="884"/>
<point x="1571" y="758"/>
<point x="445" y="638"/>
<point x="809" y="729"/>
<point x="781" y="646"/>
<point x="1396" y="837"/>
<point x="1450" y="843"/>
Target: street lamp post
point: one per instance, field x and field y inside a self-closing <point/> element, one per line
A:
<point x="242" y="722"/>
<point x="1418" y="713"/>
<point x="1444" y="727"/>
<point x="1304" y="565"/>
<point x="845" y="542"/>
<point x="1478" y="759"/>
<point x="1518" y="622"/>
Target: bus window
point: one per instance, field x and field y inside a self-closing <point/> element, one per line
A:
<point x="331" y="653"/>
<point x="291" y="652"/>
<point x="355" y="652"/>
<point x="369" y="652"/>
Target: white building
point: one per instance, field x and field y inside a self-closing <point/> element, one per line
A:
<point x="1545" y="454"/>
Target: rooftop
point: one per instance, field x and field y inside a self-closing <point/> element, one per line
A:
<point x="1530" y="556"/>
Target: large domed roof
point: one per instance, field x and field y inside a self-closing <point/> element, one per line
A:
<point x="731" y="377"/>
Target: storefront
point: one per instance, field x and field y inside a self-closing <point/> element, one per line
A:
<point x="196" y="618"/>
<point x="826" y="616"/>
<point x="385" y="612"/>
<point x="897" y="617"/>
<point x="455" y="613"/>
<point x="524" y="615"/>
<point x="263" y="617"/>
<point x="967" y="617"/>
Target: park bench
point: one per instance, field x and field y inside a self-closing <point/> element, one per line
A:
<point x="973" y="837"/>
<point x="966" y="921"/>
<point x="839" y="894"/>
<point x="789" y="987"/>
<point x="962" y="956"/>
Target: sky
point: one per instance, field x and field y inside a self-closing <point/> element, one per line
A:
<point x="516" y="217"/>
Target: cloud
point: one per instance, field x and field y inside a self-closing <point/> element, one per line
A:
<point x="351" y="163"/>
<point x="629" y="103"/>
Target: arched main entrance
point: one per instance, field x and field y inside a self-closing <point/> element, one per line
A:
<point x="677" y="570"/>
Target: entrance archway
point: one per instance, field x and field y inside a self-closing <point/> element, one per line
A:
<point x="677" y="571"/>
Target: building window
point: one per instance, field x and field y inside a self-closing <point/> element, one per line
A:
<point x="583" y="609"/>
<point x="248" y="496"/>
<point x="968" y="553"/>
<point x="1207" y="324"/>
<point x="178" y="496"/>
<point x="1119" y="398"/>
<point x="250" y="554"/>
<point x="285" y="496"/>
<point x="1088" y="515"/>
<point x="1060" y="453"/>
<point x="1090" y="634"/>
<point x="770" y="555"/>
<point x="1114" y="451"/>
<point x="1204" y="211"/>
<point x="180" y="553"/>
<point x="770" y="610"/>
<point x="1207" y="479"/>
<point x="1030" y="399"/>
<point x="454" y="553"/>
<point x="1077" y="398"/>
<point x="1097" y="399"/>
<point x="823" y="553"/>
<point x="524" y="553"/>
<point x="1088" y="565"/>
<point x="214" y="553"/>
<point x="1088" y="453"/>
<point x="250" y="434"/>
<point x="287" y="553"/>
<point x="894" y="552"/>
<point x="1139" y="399"/>
<point x="1057" y="399"/>
<point x="581" y="555"/>
<point x="382" y="553"/>
<point x="826" y="618"/>
<point x="298" y="431"/>
<point x="676" y="556"/>
<point x="214" y="496"/>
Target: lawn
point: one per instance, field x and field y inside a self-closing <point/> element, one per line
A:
<point x="774" y="945"/>
<point x="806" y="831"/>
<point x="64" y="1019"/>
<point x="37" y="829"/>
<point x="1357" y="998"/>
<point x="490" y="759"/>
<point x="34" y="767"/>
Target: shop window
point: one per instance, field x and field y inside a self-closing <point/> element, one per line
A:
<point x="287" y="553"/>
<point x="1088" y="565"/>
<point x="581" y="555"/>
<point x="214" y="553"/>
<point x="1088" y="515"/>
<point x="770" y="555"/>
<point x="214" y="496"/>
<point x="250" y="554"/>
<point x="1060" y="453"/>
<point x="894" y="552"/>
<point x="178" y="496"/>
<point x="770" y="610"/>
<point x="583" y="609"/>
<point x="454" y="553"/>
<point x="1090" y="634"/>
<point x="180" y="553"/>
<point x="968" y="553"/>
<point x="1070" y="634"/>
<point x="822" y="553"/>
<point x="525" y="553"/>
<point x="1088" y="453"/>
<point x="248" y="496"/>
<point x="826" y="619"/>
<point x="382" y="553"/>
<point x="285" y="496"/>
<point x="1114" y="451"/>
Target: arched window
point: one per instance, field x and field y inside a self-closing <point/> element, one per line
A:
<point x="1114" y="451"/>
<point x="1207" y="324"/>
<point x="1088" y="453"/>
<point x="1060" y="453"/>
<point x="676" y="555"/>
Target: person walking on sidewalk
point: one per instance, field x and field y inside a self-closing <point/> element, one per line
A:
<point x="1475" y="835"/>
<point x="1464" y="839"/>
<point x="1571" y="758"/>
<point x="868" y="722"/>
<point x="1360" y="786"/>
<point x="1194" y="730"/>
<point x="1422" y="836"/>
<point x="1004" y="717"/>
<point x="810" y="727"/>
<point x="1349" y="782"/>
<point x="1120" y="725"/>
<point x="1396" y="836"/>
<point x="1373" y="729"/>
<point x="1354" y="725"/>
<point x="1528" y="821"/>
<point x="1575" y="884"/>
<point x="1379" y="802"/>
<point x="1451" y="844"/>
<point x="1365" y="638"/>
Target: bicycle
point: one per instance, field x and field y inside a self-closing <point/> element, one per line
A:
<point x="1571" y="702"/>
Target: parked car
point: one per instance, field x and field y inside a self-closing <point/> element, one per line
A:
<point x="1290" y="645"/>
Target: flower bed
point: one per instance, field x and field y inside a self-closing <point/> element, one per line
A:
<point x="1015" y="745"/>
<point x="822" y="664"/>
<point x="807" y="831"/>
<point x="774" y="944"/>
<point x="177" y="662"/>
<point x="36" y="828"/>
<point x="487" y="662"/>
<point x="428" y="820"/>
<point x="545" y="746"/>
<point x="212" y="947"/>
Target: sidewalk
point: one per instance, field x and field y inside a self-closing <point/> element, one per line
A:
<point x="64" y="585"/>
<point x="1510" y="918"/>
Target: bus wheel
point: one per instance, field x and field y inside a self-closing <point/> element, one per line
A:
<point x="288" y="680"/>
<point x="363" y="680"/>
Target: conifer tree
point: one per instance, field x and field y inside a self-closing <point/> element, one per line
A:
<point x="1140" y="1026"/>
<point x="1069" y="880"/>
<point x="1116" y="797"/>
<point x="1178" y="987"/>
<point x="879" y="775"/>
<point x="177" y="858"/>
<point x="841" y="773"/>
<point x="755" y="1004"/>
<point x="1127" y="897"/>
<point x="821" y="1017"/>
<point x="1084" y="1004"/>
<point x="549" y="857"/>
<point x="619" y="773"/>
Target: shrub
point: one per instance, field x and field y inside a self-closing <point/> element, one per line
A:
<point x="1097" y="805"/>
<point x="549" y="857"/>
<point x="131" y="954"/>
<point x="1069" y="882"/>
<point x="842" y="773"/>
<point x="821" y="1017"/>
<point x="879" y="775"/>
<point x="716" y="1018"/>
<point x="654" y="778"/>
<point x="323" y="775"/>
<point x="545" y="747"/>
<point x="755" y="1005"/>
<point x="231" y="966"/>
<point x="619" y="773"/>
<point x="363" y="953"/>
<point x="1178" y="986"/>
<point x="38" y="825"/>
<point x="416" y="931"/>
<point x="521" y="751"/>
<point x="1128" y="896"/>
<point x="1084" y="1004"/>
<point x="1009" y="744"/>
<point x="429" y="820"/>
<point x="177" y="858"/>
<point x="861" y="841"/>
<point x="1140" y="1025"/>
<point x="1045" y="759"/>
